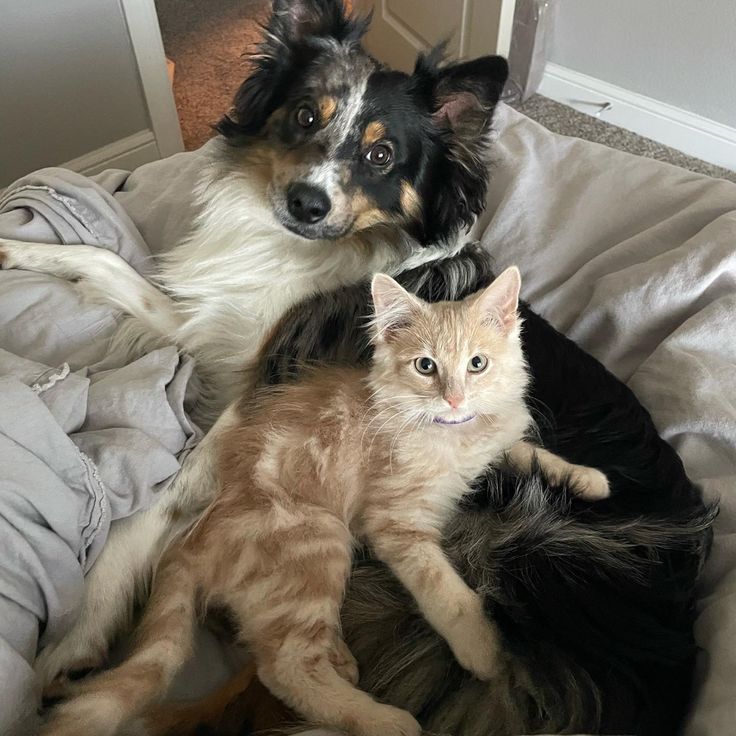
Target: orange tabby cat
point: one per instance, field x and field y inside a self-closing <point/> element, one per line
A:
<point x="381" y="456"/>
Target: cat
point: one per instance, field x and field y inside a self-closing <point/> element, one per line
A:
<point x="379" y="456"/>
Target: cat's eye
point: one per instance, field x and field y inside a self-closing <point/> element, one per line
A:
<point x="305" y="116"/>
<point x="425" y="366"/>
<point x="477" y="364"/>
<point x="380" y="155"/>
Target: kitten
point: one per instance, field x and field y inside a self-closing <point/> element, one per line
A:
<point x="381" y="456"/>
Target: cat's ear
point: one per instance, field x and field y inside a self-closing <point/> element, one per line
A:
<point x="500" y="300"/>
<point x="393" y="307"/>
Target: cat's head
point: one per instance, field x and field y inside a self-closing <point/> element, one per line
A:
<point x="450" y="363"/>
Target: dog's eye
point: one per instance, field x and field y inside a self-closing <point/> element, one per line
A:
<point x="380" y="155"/>
<point x="305" y="116"/>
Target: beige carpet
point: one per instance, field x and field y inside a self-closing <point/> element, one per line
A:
<point x="207" y="38"/>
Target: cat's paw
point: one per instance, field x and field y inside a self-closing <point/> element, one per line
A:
<point x="477" y="646"/>
<point x="342" y="659"/>
<point x="388" y="721"/>
<point x="589" y="483"/>
<point x="96" y="714"/>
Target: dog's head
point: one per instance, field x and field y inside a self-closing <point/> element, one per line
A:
<point x="348" y="144"/>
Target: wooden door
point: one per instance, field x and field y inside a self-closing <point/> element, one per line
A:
<point x="401" y="28"/>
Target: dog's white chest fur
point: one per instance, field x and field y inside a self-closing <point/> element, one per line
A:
<point x="240" y="270"/>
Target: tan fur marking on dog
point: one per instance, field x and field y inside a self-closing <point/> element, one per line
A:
<point x="410" y="200"/>
<point x="367" y="213"/>
<point x="374" y="132"/>
<point x="327" y="106"/>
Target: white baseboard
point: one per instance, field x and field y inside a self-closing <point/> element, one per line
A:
<point x="126" y="153"/>
<point x="672" y="126"/>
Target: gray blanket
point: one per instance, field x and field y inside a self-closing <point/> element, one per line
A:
<point x="84" y="439"/>
<point x="633" y="258"/>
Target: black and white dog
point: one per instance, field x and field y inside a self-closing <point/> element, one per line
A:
<point x="330" y="168"/>
<point x="335" y="168"/>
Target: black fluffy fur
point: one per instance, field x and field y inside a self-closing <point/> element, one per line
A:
<point x="287" y="48"/>
<point x="595" y="601"/>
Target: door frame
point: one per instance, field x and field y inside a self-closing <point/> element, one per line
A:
<point x="148" y="49"/>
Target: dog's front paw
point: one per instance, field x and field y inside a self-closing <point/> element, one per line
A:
<point x="10" y="255"/>
<point x="589" y="483"/>
<point x="61" y="667"/>
<point x="5" y="262"/>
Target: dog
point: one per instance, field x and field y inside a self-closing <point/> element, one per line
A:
<point x="330" y="167"/>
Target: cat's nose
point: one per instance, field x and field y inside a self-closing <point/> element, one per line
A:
<point x="454" y="400"/>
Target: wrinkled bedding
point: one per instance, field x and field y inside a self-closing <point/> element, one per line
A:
<point x="634" y="259"/>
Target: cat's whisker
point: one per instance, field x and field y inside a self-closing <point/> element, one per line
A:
<point x="398" y="413"/>
<point x="409" y="421"/>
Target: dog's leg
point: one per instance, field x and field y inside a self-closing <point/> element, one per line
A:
<point x="164" y="644"/>
<point x="103" y="277"/>
<point x="125" y="563"/>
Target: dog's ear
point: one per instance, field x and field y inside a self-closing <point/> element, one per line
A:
<point x="291" y="38"/>
<point x="297" y="21"/>
<point x="462" y="98"/>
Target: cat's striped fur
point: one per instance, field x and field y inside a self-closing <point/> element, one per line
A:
<point x="595" y="602"/>
<point x="381" y="456"/>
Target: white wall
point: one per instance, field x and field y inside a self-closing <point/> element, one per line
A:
<point x="682" y="52"/>
<point x="68" y="82"/>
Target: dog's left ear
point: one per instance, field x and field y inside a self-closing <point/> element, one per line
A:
<point x="463" y="97"/>
<point x="290" y="41"/>
<point x="295" y="21"/>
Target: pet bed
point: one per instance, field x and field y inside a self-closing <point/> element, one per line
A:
<point x="634" y="259"/>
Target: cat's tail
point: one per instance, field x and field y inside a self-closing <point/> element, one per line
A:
<point x="164" y="643"/>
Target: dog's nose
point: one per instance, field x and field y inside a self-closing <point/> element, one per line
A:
<point x="307" y="203"/>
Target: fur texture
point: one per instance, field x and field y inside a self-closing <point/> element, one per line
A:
<point x="382" y="456"/>
<point x="331" y="168"/>
<point x="595" y="602"/>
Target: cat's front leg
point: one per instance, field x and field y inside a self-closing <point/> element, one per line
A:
<point x="449" y="605"/>
<point x="586" y="482"/>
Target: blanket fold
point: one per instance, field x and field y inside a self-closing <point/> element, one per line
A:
<point x="86" y="437"/>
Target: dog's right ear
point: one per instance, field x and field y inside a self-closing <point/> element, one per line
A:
<point x="291" y="38"/>
<point x="462" y="99"/>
